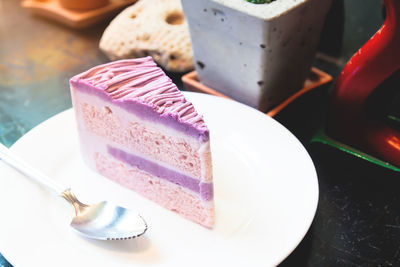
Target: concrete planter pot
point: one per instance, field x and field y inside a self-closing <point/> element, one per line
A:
<point x="258" y="54"/>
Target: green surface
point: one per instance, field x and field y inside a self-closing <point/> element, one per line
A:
<point x="321" y="137"/>
<point x="3" y="262"/>
<point x="37" y="57"/>
<point x="362" y="19"/>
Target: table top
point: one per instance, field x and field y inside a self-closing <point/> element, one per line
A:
<point x="358" y="216"/>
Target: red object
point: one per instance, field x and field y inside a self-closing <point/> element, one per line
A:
<point x="376" y="61"/>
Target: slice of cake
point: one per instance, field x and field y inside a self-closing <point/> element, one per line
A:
<point x="137" y="129"/>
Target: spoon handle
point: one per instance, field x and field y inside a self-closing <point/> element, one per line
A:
<point x="11" y="159"/>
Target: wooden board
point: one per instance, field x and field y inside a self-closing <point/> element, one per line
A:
<point x="74" y="18"/>
<point x="315" y="79"/>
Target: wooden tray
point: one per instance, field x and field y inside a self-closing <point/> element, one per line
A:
<point x="316" y="78"/>
<point x="74" y="18"/>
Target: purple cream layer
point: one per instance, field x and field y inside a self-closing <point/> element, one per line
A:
<point x="204" y="189"/>
<point x="142" y="88"/>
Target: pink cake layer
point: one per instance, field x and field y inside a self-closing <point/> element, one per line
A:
<point x="169" y="195"/>
<point x="137" y="129"/>
<point x="182" y="154"/>
<point x="104" y="131"/>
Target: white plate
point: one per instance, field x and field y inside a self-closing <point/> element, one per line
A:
<point x="266" y="194"/>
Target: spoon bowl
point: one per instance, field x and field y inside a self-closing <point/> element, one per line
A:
<point x="105" y="221"/>
<point x="102" y="221"/>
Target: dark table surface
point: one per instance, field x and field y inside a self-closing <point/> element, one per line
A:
<point x="358" y="217"/>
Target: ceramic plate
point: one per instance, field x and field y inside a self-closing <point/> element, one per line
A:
<point x="266" y="194"/>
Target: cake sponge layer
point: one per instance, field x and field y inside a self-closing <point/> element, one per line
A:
<point x="149" y="139"/>
<point x="168" y="195"/>
<point x="204" y="189"/>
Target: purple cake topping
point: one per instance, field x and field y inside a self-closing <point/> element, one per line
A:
<point x="139" y="81"/>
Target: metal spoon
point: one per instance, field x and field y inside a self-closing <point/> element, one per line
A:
<point x="102" y="221"/>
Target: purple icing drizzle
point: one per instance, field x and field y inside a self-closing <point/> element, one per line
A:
<point x="204" y="189"/>
<point x="141" y="87"/>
